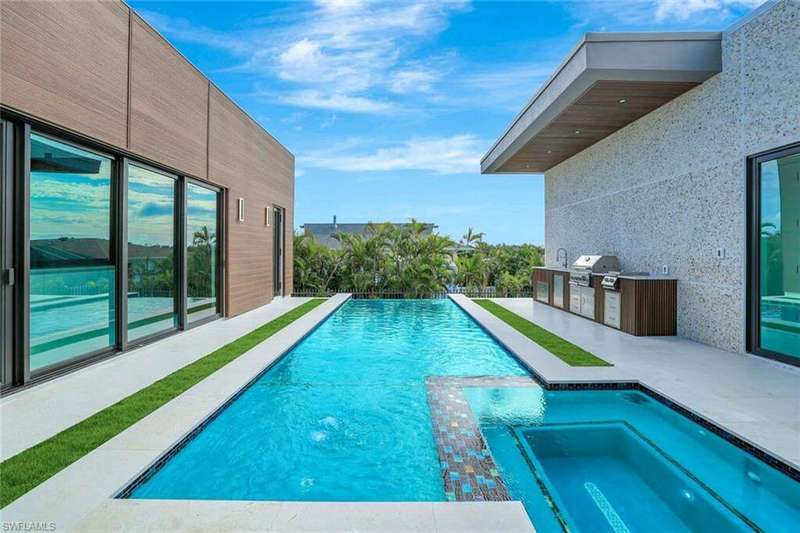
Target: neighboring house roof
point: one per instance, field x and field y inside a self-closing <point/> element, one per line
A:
<point x="608" y="81"/>
<point x="45" y="251"/>
<point x="50" y="251"/>
<point x="323" y="233"/>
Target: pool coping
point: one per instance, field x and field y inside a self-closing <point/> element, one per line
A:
<point x="535" y="358"/>
<point x="100" y="475"/>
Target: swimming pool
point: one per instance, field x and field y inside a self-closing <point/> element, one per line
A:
<point x="343" y="416"/>
<point x="622" y="461"/>
<point x="390" y="401"/>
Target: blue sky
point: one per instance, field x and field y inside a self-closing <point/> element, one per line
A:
<point x="388" y="107"/>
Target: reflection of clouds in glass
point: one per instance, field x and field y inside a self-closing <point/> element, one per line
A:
<point x="79" y="225"/>
<point x="202" y="211"/>
<point x="152" y="209"/>
<point x="151" y="199"/>
<point x="67" y="205"/>
<point x="138" y="176"/>
<point x="43" y="188"/>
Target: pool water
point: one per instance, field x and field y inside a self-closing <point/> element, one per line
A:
<point x="621" y="461"/>
<point x="343" y="416"/>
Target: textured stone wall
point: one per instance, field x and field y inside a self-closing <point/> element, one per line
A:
<point x="669" y="189"/>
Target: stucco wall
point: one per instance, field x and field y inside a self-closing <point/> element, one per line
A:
<point x="669" y="189"/>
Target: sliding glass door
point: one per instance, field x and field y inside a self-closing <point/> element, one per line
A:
<point x="277" y="251"/>
<point x="7" y="272"/>
<point x="775" y="258"/>
<point x="202" y="253"/>
<point x="152" y="265"/>
<point x="98" y="252"/>
<point x="72" y="265"/>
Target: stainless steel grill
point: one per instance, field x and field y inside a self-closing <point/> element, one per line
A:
<point x="586" y="265"/>
<point x="611" y="280"/>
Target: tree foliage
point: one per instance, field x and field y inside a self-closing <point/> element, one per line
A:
<point x="406" y="260"/>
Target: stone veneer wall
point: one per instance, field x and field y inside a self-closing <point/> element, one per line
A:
<point x="669" y="189"/>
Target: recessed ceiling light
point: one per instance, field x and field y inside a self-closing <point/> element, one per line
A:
<point x="577" y="132"/>
<point x="549" y="151"/>
<point x="623" y="100"/>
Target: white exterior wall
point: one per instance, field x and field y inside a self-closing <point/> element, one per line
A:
<point x="669" y="189"/>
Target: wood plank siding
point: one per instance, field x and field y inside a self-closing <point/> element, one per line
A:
<point x="255" y="167"/>
<point x="66" y="63"/>
<point x="169" y="103"/>
<point x="99" y="71"/>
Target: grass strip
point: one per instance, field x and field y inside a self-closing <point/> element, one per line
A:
<point x="29" y="468"/>
<point x="561" y="348"/>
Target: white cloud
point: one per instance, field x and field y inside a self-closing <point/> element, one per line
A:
<point x="411" y="81"/>
<point x="683" y="9"/>
<point x="340" y="55"/>
<point x="458" y="154"/>
<point x="315" y="99"/>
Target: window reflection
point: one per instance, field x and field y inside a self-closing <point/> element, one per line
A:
<point x="151" y="252"/>
<point x="201" y="252"/>
<point x="72" y="281"/>
<point x="780" y="255"/>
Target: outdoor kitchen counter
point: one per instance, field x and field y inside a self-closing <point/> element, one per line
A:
<point x="644" y="276"/>
<point x="642" y="305"/>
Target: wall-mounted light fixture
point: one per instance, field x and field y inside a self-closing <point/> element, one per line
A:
<point x="241" y="209"/>
<point x="266" y="215"/>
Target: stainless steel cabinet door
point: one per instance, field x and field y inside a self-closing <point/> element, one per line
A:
<point x="558" y="290"/>
<point x="587" y="302"/>
<point x="575" y="299"/>
<point x="612" y="309"/>
<point x="542" y="291"/>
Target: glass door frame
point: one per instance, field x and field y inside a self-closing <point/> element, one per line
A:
<point x="178" y="226"/>
<point x="183" y="286"/>
<point x="7" y="267"/>
<point x="278" y="250"/>
<point x="753" y="300"/>
<point x="23" y="235"/>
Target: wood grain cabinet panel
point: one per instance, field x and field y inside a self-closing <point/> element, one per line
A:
<point x="649" y="306"/>
<point x="169" y="104"/>
<point x="67" y="63"/>
<point x="253" y="166"/>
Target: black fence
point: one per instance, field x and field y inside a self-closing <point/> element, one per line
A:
<point x="485" y="292"/>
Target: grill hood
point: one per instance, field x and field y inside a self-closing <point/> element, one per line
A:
<point x="597" y="263"/>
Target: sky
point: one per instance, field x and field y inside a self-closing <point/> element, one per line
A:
<point x="388" y="107"/>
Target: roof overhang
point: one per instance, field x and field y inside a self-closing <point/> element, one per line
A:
<point x="607" y="82"/>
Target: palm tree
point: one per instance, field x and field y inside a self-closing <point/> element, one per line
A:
<point x="471" y="237"/>
<point x="408" y="260"/>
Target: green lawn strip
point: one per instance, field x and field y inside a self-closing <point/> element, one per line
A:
<point x="561" y="348"/>
<point x="29" y="468"/>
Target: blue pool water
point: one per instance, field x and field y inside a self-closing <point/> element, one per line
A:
<point x="344" y="416"/>
<point x="621" y="461"/>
